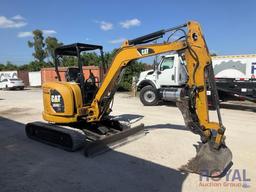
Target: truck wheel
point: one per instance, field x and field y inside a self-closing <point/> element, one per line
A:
<point x="149" y="96"/>
<point x="6" y="88"/>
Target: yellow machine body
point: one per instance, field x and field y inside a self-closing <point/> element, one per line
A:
<point x="197" y="59"/>
<point x="73" y="102"/>
<point x="62" y="101"/>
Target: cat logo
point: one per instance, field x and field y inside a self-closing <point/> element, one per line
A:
<point x="57" y="102"/>
<point x="145" y="51"/>
<point x="55" y="98"/>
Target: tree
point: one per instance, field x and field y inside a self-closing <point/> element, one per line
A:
<point x="2" y="67"/>
<point x="10" y="66"/>
<point x="68" y="61"/>
<point x="108" y="56"/>
<point x="38" y="45"/>
<point x="133" y="69"/>
<point x="51" y="44"/>
<point x="25" y="67"/>
<point x="90" y="59"/>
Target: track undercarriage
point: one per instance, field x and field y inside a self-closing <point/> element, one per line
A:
<point x="95" y="138"/>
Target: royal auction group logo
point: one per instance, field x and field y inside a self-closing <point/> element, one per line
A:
<point x="234" y="178"/>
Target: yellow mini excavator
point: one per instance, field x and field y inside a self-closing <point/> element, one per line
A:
<point x="77" y="109"/>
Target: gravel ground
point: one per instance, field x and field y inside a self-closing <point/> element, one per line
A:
<point x="148" y="164"/>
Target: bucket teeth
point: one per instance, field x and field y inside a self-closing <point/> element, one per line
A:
<point x="209" y="162"/>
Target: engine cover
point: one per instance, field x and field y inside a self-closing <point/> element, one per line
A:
<point x="61" y="101"/>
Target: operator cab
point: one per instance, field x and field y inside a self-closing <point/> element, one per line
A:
<point x="89" y="86"/>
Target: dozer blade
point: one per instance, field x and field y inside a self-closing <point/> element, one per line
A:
<point x="112" y="141"/>
<point x="209" y="161"/>
<point x="63" y="137"/>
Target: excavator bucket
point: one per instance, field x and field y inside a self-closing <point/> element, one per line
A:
<point x="209" y="162"/>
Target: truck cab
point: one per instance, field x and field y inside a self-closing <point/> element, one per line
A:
<point x="234" y="76"/>
<point x="162" y="82"/>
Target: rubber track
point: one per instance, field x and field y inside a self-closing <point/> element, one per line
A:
<point x="74" y="138"/>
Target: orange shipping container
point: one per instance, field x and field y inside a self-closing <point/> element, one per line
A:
<point x="49" y="74"/>
<point x="23" y="75"/>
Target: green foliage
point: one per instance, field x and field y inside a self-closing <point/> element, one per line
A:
<point x="38" y="44"/>
<point x="108" y="57"/>
<point x="2" y="67"/>
<point x="42" y="50"/>
<point x="8" y="66"/>
<point x="34" y="66"/>
<point x="51" y="44"/>
<point x="68" y="61"/>
<point x="133" y="69"/>
<point x="89" y="59"/>
<point x="25" y="67"/>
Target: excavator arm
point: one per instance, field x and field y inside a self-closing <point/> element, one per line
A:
<point x="198" y="62"/>
<point x="192" y="100"/>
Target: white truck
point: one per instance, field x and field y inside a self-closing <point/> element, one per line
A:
<point x="235" y="78"/>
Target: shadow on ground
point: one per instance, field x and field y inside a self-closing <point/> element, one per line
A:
<point x="13" y="90"/>
<point x="238" y="106"/>
<point x="167" y="103"/>
<point x="134" y="118"/>
<point x="167" y="126"/>
<point x="26" y="165"/>
<point x="247" y="107"/>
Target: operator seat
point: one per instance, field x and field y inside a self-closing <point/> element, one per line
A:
<point x="90" y="88"/>
<point x="72" y="74"/>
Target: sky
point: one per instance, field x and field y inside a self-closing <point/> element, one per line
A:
<point x="229" y="26"/>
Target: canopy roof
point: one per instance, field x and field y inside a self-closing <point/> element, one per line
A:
<point x="72" y="48"/>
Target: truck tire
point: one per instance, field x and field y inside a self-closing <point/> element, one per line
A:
<point x="149" y="96"/>
<point x="6" y="88"/>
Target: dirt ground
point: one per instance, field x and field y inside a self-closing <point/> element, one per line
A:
<point x="148" y="164"/>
